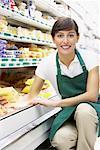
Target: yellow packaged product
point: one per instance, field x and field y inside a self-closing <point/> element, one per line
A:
<point x="29" y="81"/>
<point x="45" y="95"/>
<point x="9" y="93"/>
<point x="26" y="89"/>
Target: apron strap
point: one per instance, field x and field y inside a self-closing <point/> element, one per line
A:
<point x="80" y="60"/>
<point x="58" y="65"/>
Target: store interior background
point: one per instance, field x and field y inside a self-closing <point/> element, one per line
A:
<point x="87" y="15"/>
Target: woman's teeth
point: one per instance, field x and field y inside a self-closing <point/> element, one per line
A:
<point x="65" y="47"/>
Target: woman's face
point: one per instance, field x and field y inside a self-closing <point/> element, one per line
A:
<point x="66" y="41"/>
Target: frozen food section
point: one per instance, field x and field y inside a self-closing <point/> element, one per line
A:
<point x="21" y="124"/>
<point x="33" y="120"/>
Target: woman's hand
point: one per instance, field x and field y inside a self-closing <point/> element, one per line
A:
<point x="45" y="102"/>
<point x="41" y="101"/>
<point x="3" y="101"/>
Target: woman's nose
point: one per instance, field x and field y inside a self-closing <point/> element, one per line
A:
<point x="65" y="39"/>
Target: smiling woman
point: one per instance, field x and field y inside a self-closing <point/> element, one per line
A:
<point x="65" y="35"/>
<point x="73" y="73"/>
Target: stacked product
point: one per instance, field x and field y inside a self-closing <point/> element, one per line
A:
<point x="3" y="24"/>
<point x="12" y="51"/>
<point x="8" y="3"/>
<point x="3" y="45"/>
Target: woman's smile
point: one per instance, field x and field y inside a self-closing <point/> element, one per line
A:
<point x="66" y="41"/>
<point x="65" y="47"/>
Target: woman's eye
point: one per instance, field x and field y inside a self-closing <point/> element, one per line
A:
<point x="60" y="36"/>
<point x="71" y="35"/>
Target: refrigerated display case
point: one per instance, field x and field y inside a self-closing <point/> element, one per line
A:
<point x="24" y="126"/>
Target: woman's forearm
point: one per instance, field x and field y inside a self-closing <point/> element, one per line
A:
<point x="36" y="87"/>
<point x="85" y="97"/>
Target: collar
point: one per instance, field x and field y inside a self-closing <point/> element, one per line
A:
<point x="74" y="61"/>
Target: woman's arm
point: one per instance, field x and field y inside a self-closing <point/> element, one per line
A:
<point x="90" y="95"/>
<point x="36" y="88"/>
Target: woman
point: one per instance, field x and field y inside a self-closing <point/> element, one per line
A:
<point x="75" y="76"/>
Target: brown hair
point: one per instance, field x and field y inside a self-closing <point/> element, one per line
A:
<point x="64" y="23"/>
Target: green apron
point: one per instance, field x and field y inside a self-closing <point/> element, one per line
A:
<point x="69" y="87"/>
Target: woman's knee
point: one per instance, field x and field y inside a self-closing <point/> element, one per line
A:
<point x="65" y="138"/>
<point x="85" y="111"/>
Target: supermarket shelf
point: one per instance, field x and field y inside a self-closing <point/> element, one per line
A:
<point x="16" y="38"/>
<point x="39" y="23"/>
<point x="18" y="62"/>
<point x="47" y="7"/>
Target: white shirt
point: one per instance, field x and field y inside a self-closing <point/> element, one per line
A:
<point x="47" y="69"/>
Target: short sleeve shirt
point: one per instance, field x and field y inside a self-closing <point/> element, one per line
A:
<point x="47" y="69"/>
